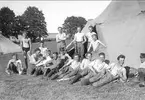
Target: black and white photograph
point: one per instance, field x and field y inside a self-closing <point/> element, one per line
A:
<point x="72" y="49"/>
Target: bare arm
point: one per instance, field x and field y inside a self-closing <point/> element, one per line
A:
<point x="101" y="43"/>
<point x="89" y="47"/>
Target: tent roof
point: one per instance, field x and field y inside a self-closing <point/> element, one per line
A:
<point x="122" y="29"/>
<point x="7" y="46"/>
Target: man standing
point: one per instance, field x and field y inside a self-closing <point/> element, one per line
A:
<point x="60" y="39"/>
<point x="79" y="40"/>
<point x="89" y="35"/>
<point x="141" y="70"/>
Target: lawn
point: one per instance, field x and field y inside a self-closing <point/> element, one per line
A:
<point x="24" y="87"/>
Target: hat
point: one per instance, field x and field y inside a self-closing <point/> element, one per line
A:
<point x="142" y="55"/>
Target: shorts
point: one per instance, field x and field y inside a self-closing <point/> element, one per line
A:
<point x="25" y="49"/>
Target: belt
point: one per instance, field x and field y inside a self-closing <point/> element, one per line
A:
<point x="80" y="42"/>
<point x="61" y="41"/>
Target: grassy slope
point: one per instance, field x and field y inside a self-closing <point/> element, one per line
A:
<point x="34" y="88"/>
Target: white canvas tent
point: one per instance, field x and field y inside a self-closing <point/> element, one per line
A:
<point x="122" y="27"/>
<point x="7" y="46"/>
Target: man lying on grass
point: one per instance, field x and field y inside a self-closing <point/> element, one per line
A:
<point x="92" y="69"/>
<point x="72" y="65"/>
<point x="14" y="65"/>
<point x="113" y="72"/>
<point x="85" y="62"/>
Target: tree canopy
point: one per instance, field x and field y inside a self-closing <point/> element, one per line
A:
<point x="35" y="22"/>
<point x="6" y="21"/>
<point x="71" y="23"/>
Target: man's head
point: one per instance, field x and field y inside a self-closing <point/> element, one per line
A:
<point x="142" y="57"/>
<point x="94" y="36"/>
<point x="60" y="29"/>
<point x="76" y="57"/>
<point x="90" y="28"/>
<point x="41" y="44"/>
<point x="79" y="29"/>
<point x="121" y="59"/>
<point x="102" y="56"/>
<point x="40" y="56"/>
<point x="47" y="52"/>
<point x="55" y="55"/>
<point x="14" y="56"/>
<point x="37" y="51"/>
<point x="89" y="55"/>
<point x="24" y="33"/>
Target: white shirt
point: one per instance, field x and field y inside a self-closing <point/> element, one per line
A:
<point x="25" y="42"/>
<point x="89" y="36"/>
<point x="32" y="58"/>
<point x="60" y="37"/>
<point x="142" y="65"/>
<point x="98" y="65"/>
<point x="95" y="44"/>
<point x="43" y="49"/>
<point x="44" y="61"/>
<point x="74" y="64"/>
<point x="85" y="63"/>
<point x="115" y="69"/>
<point x="79" y="37"/>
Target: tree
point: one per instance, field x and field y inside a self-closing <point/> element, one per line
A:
<point x="35" y="22"/>
<point x="71" y="23"/>
<point x="6" y="21"/>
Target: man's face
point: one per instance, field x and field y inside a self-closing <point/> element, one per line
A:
<point x="41" y="45"/>
<point x="102" y="57"/>
<point x="54" y="56"/>
<point x="94" y="37"/>
<point x="14" y="57"/>
<point x="76" y="58"/>
<point x="89" y="56"/>
<point x="79" y="29"/>
<point x="142" y="59"/>
<point x="60" y="30"/>
<point x="121" y="61"/>
<point x="24" y="34"/>
<point x="90" y="29"/>
<point x="38" y="52"/>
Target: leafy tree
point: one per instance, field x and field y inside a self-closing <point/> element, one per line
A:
<point x="6" y="21"/>
<point x="71" y="23"/>
<point x="34" y="22"/>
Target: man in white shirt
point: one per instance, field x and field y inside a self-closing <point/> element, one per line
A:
<point x="141" y="70"/>
<point x="89" y="35"/>
<point x="14" y="65"/>
<point x="94" y="44"/>
<point x="60" y="39"/>
<point x="114" y="71"/>
<point x="92" y="69"/>
<point x="42" y="48"/>
<point x="79" y="40"/>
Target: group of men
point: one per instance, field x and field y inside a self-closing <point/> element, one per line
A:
<point x="81" y="67"/>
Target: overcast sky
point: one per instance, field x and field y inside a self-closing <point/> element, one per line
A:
<point x="56" y="12"/>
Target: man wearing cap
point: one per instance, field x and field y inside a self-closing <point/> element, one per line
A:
<point x="141" y="70"/>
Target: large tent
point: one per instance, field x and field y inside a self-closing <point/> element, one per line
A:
<point x="121" y="27"/>
<point x="7" y="46"/>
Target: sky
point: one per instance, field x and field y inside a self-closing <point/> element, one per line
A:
<point x="55" y="12"/>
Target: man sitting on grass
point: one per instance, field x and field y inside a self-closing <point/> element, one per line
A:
<point x="141" y="70"/>
<point x="42" y="65"/>
<point x="14" y="65"/>
<point x="71" y="67"/>
<point x="93" y="68"/>
<point x="84" y="64"/>
<point x="113" y="72"/>
<point x="33" y="61"/>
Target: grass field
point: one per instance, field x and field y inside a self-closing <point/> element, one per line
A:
<point x="22" y="87"/>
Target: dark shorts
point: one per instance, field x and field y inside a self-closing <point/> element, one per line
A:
<point x="25" y="49"/>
